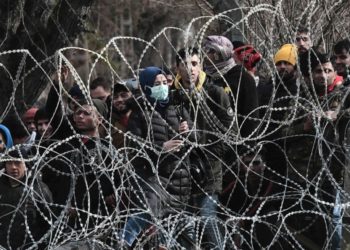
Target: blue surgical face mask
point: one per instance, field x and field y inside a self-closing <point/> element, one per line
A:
<point x="160" y="92"/>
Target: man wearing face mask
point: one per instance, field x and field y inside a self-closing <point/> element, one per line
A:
<point x="162" y="180"/>
<point x="238" y="83"/>
<point x="240" y="86"/>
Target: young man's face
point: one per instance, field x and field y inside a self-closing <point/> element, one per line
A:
<point x="189" y="71"/>
<point x="303" y="42"/>
<point x="169" y="79"/>
<point x="44" y="128"/>
<point x="342" y="62"/>
<point x="15" y="169"/>
<point x="323" y="75"/>
<point x="119" y="101"/>
<point x="30" y="124"/>
<point x="86" y="118"/>
<point x="99" y="93"/>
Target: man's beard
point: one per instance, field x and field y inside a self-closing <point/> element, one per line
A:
<point x="285" y="75"/>
<point x="85" y="129"/>
<point x="302" y="50"/>
<point x="344" y="70"/>
<point x="122" y="111"/>
<point x="320" y="89"/>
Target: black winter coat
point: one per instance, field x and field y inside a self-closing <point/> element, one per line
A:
<point x="166" y="174"/>
<point x="211" y="109"/>
<point x="80" y="175"/>
<point x="284" y="92"/>
<point x="244" y="101"/>
<point x="18" y="208"/>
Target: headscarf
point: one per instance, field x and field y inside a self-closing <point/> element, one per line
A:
<point x="147" y="78"/>
<point x="7" y="135"/>
<point x="223" y="61"/>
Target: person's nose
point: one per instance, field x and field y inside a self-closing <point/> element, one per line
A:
<point x="192" y="69"/>
<point x="12" y="165"/>
<point x="118" y="98"/>
<point x="45" y="126"/>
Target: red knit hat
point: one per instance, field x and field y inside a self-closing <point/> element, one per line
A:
<point x="29" y="114"/>
<point x="248" y="56"/>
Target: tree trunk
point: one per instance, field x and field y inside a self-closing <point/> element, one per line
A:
<point x="40" y="28"/>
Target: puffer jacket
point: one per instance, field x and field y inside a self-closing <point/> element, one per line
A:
<point x="166" y="173"/>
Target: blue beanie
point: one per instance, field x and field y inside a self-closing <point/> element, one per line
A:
<point x="7" y="134"/>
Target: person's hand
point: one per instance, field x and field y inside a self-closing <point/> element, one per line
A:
<point x="308" y="124"/>
<point x="64" y="75"/>
<point x="110" y="200"/>
<point x="172" y="145"/>
<point x="72" y="212"/>
<point x="183" y="127"/>
<point x="331" y="115"/>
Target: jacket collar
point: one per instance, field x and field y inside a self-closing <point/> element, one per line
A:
<point x="201" y="80"/>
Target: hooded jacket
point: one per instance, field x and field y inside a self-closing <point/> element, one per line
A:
<point x="7" y="136"/>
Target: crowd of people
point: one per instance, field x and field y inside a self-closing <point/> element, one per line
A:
<point x="209" y="156"/>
